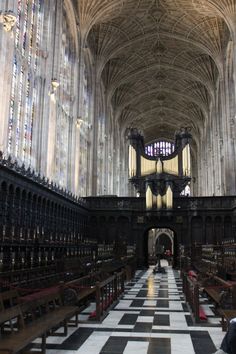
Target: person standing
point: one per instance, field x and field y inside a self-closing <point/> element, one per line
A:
<point x="228" y="345"/>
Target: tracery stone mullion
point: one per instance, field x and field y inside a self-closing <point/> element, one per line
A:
<point x="230" y="134"/>
<point x="225" y="135"/>
<point x="95" y="136"/>
<point x="216" y="151"/>
<point x="234" y="83"/>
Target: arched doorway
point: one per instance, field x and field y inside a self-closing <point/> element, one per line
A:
<point x="160" y="238"/>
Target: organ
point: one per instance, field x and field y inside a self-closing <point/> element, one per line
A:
<point x="161" y="177"/>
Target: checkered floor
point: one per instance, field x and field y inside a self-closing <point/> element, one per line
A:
<point x="151" y="317"/>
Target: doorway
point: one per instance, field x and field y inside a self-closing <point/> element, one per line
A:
<point x="160" y="239"/>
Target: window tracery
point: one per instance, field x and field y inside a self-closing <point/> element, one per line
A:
<point x="84" y="135"/>
<point x="160" y="147"/>
<point x="65" y="102"/>
<point x="26" y="66"/>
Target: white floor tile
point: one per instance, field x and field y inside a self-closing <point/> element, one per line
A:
<point x="145" y="319"/>
<point x="134" y="347"/>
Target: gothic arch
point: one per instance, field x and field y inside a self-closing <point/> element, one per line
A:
<point x="168" y="233"/>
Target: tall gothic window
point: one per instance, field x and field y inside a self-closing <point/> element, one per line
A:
<point x="23" y="99"/>
<point x="160" y="147"/>
<point x="84" y="136"/>
<point x="65" y="101"/>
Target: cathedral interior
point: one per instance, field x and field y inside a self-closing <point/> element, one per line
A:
<point x="117" y="176"/>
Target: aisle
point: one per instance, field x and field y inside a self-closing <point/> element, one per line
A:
<point x="150" y="318"/>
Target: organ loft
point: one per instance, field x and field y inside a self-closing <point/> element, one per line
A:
<point x="117" y="176"/>
<point x="159" y="171"/>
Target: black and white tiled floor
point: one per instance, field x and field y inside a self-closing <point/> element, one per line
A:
<point x="151" y="317"/>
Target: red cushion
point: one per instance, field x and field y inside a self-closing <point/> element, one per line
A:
<point x="191" y="273"/>
<point x="202" y="314"/>
<point x="92" y="314"/>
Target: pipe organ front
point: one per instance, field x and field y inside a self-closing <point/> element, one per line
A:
<point x="160" y="177"/>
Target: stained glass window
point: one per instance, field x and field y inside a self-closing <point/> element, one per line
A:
<point x="25" y="69"/>
<point x="84" y="136"/>
<point x="64" y="103"/>
<point x="159" y="148"/>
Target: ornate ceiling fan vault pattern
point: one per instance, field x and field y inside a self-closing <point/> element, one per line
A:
<point x="159" y="59"/>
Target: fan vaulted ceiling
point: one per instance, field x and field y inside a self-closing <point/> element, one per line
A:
<point x="159" y="59"/>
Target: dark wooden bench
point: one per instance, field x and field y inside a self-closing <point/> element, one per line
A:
<point x="32" y="319"/>
<point x="107" y="293"/>
<point x="191" y="292"/>
<point x="226" y="316"/>
<point x="29" y="277"/>
<point x="218" y="290"/>
<point x="214" y="294"/>
<point x="8" y="299"/>
<point x="84" y="289"/>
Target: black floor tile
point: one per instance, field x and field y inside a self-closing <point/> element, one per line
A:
<point x="161" y="320"/>
<point x="202" y="342"/>
<point x="163" y="293"/>
<point x="159" y="346"/>
<point x="128" y="319"/>
<point x="147" y="313"/>
<point x="143" y="327"/>
<point x="114" y="345"/>
<point x="137" y="303"/>
<point x="189" y="320"/>
<point x="162" y="303"/>
<point x="185" y="307"/>
<point x="142" y="293"/>
<point x="75" y="341"/>
<point x="163" y="286"/>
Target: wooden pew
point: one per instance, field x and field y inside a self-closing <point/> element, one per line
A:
<point x="226" y="316"/>
<point x="107" y="293"/>
<point x="33" y="319"/>
<point x="191" y="291"/>
<point x="219" y="290"/>
<point x="9" y="299"/>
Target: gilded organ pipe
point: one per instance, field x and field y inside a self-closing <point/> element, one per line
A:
<point x="163" y="201"/>
<point x="186" y="160"/>
<point x="159" y="201"/>
<point x="171" y="166"/>
<point x="147" y="166"/>
<point x="154" y="200"/>
<point x="159" y="166"/>
<point x="148" y="198"/>
<point x="169" y="198"/>
<point x="132" y="162"/>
